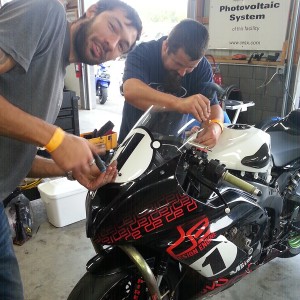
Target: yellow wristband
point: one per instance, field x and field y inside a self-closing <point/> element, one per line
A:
<point x="56" y="140"/>
<point x="219" y="122"/>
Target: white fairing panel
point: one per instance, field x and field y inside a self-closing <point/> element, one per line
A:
<point x="235" y="144"/>
<point x="138" y="159"/>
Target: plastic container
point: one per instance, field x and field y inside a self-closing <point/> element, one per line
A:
<point x="64" y="201"/>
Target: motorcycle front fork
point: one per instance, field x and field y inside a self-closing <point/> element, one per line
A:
<point x="145" y="271"/>
<point x="143" y="267"/>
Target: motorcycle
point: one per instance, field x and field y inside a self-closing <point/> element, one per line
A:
<point x="182" y="221"/>
<point x="102" y="79"/>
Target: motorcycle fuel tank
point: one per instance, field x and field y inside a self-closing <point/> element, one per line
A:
<point x="243" y="148"/>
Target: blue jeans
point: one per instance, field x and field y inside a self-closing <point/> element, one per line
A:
<point x="10" y="280"/>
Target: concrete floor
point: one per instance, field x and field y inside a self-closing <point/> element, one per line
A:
<point x="54" y="259"/>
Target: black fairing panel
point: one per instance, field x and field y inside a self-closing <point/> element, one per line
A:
<point x="113" y="202"/>
<point x="259" y="159"/>
<point x="285" y="139"/>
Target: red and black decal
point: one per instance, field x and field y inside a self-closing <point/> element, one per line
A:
<point x="192" y="240"/>
<point x="170" y="208"/>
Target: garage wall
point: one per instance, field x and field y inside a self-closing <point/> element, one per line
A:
<point x="71" y="82"/>
<point x="256" y="80"/>
<point x="253" y="84"/>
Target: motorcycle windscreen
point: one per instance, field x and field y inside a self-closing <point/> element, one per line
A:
<point x="155" y="139"/>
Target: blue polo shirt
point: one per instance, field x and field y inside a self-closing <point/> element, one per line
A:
<point x="145" y="63"/>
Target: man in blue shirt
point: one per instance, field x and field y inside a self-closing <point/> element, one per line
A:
<point x="170" y="73"/>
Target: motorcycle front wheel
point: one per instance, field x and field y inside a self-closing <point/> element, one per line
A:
<point x="122" y="286"/>
<point x="103" y="95"/>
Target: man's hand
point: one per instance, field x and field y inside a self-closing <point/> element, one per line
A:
<point x="209" y="135"/>
<point x="95" y="178"/>
<point x="77" y="155"/>
<point x="197" y="105"/>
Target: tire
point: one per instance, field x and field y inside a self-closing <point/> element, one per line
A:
<point x="121" y="286"/>
<point x="98" y="89"/>
<point x="103" y="95"/>
<point x="92" y="287"/>
<point x="290" y="253"/>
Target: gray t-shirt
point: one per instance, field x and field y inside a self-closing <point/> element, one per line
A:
<point x="35" y="33"/>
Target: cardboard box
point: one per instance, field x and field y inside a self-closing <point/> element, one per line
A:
<point x="109" y="140"/>
<point x="64" y="201"/>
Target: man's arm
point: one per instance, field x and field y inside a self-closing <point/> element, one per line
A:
<point x="14" y="122"/>
<point x="216" y="114"/>
<point x="6" y="62"/>
<point x="44" y="167"/>
<point x="73" y="154"/>
<point x="19" y="125"/>
<point x="140" y="95"/>
<point x="212" y="130"/>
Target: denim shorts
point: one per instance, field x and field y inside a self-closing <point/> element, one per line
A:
<point x="10" y="280"/>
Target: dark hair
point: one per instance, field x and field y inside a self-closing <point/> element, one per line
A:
<point x="131" y="14"/>
<point x="191" y="36"/>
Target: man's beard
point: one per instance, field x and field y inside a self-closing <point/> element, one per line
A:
<point x="172" y="83"/>
<point x="80" y="43"/>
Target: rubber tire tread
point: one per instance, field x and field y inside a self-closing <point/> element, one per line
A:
<point x="91" y="287"/>
<point x="104" y="95"/>
<point x="290" y="253"/>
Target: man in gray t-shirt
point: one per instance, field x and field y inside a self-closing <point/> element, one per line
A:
<point x="36" y="45"/>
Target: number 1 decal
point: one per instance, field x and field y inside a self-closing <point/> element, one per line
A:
<point x="215" y="261"/>
<point x="218" y="259"/>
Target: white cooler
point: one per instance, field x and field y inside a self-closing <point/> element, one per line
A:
<point x="64" y="201"/>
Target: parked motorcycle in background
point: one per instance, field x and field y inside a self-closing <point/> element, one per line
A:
<point x="186" y="222"/>
<point x="102" y="79"/>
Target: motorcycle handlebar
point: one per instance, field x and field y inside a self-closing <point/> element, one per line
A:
<point x="242" y="184"/>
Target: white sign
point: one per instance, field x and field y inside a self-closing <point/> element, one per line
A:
<point x="248" y="24"/>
